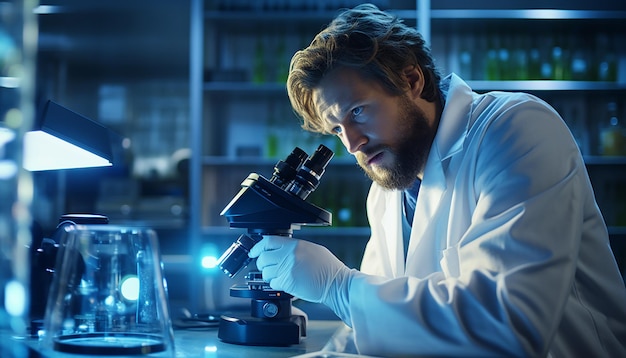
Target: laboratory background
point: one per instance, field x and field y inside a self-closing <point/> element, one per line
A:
<point x="193" y="93"/>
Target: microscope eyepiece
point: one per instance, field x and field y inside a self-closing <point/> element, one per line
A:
<point x="285" y="171"/>
<point x="319" y="160"/>
<point x="308" y="177"/>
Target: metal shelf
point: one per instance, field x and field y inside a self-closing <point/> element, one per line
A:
<point x="244" y="87"/>
<point x="271" y="16"/>
<point x="480" y="85"/>
<point x="545" y="85"/>
<point x="527" y="14"/>
<point x="617" y="230"/>
<point x="599" y="160"/>
<point x="262" y="16"/>
<point x="9" y="82"/>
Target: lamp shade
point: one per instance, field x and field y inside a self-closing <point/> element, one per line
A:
<point x="63" y="139"/>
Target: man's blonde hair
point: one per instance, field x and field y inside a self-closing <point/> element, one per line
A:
<point x="377" y="44"/>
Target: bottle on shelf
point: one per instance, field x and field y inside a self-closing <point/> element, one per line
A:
<point x="258" y="71"/>
<point x="606" y="59"/>
<point x="534" y="60"/>
<point x="505" y="65"/>
<point x="492" y="70"/>
<point x="345" y="207"/>
<point x="520" y="58"/>
<point x="478" y="58"/>
<point x="579" y="60"/>
<point x="465" y="57"/>
<point x="612" y="133"/>
<point x="282" y="62"/>
<point x="560" y="69"/>
<point x="273" y="136"/>
<point x="545" y="55"/>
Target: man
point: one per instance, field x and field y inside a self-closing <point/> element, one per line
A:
<point x="486" y="238"/>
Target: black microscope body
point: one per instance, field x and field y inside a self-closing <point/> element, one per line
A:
<point x="270" y="207"/>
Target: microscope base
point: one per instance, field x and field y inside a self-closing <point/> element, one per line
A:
<point x="253" y="331"/>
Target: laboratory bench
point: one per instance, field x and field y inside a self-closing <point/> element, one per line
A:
<point x="204" y="343"/>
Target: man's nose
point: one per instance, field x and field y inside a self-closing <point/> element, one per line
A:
<point x="355" y="138"/>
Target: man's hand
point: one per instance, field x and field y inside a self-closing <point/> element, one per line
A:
<point x="300" y="268"/>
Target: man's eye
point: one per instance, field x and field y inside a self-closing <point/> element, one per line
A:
<point x="356" y="111"/>
<point x="336" y="130"/>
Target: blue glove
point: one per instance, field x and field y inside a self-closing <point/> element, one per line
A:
<point x="305" y="270"/>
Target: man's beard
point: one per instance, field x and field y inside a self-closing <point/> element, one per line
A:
<point x="410" y="151"/>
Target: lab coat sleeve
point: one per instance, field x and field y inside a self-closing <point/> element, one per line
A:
<point x="516" y="258"/>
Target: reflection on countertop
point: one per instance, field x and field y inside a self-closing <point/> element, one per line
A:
<point x="202" y="343"/>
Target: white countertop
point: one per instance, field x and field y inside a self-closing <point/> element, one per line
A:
<point x="204" y="343"/>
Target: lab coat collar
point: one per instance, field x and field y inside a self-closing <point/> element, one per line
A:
<point x="453" y="126"/>
<point x="455" y="118"/>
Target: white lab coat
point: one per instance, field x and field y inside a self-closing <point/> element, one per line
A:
<point x="509" y="254"/>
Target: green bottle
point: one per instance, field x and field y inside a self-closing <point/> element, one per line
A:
<point x="492" y="71"/>
<point x="258" y="71"/>
<point x="282" y="63"/>
<point x="612" y="133"/>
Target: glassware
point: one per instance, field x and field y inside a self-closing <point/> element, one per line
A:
<point x="606" y="59"/>
<point x="108" y="295"/>
<point x="18" y="34"/>
<point x="612" y="133"/>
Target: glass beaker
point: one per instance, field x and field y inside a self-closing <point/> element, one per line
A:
<point x="108" y="295"/>
<point x="18" y="45"/>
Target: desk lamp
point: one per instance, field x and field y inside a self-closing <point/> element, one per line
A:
<point x="60" y="139"/>
<point x="63" y="139"/>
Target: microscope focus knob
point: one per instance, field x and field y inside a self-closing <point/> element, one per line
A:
<point x="270" y="309"/>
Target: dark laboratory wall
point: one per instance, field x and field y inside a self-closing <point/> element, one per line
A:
<point x="124" y="64"/>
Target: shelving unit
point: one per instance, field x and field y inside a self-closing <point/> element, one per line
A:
<point x="225" y="43"/>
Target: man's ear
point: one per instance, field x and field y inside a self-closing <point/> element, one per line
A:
<point x="415" y="79"/>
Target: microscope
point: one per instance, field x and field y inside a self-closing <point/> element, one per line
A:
<point x="270" y="207"/>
